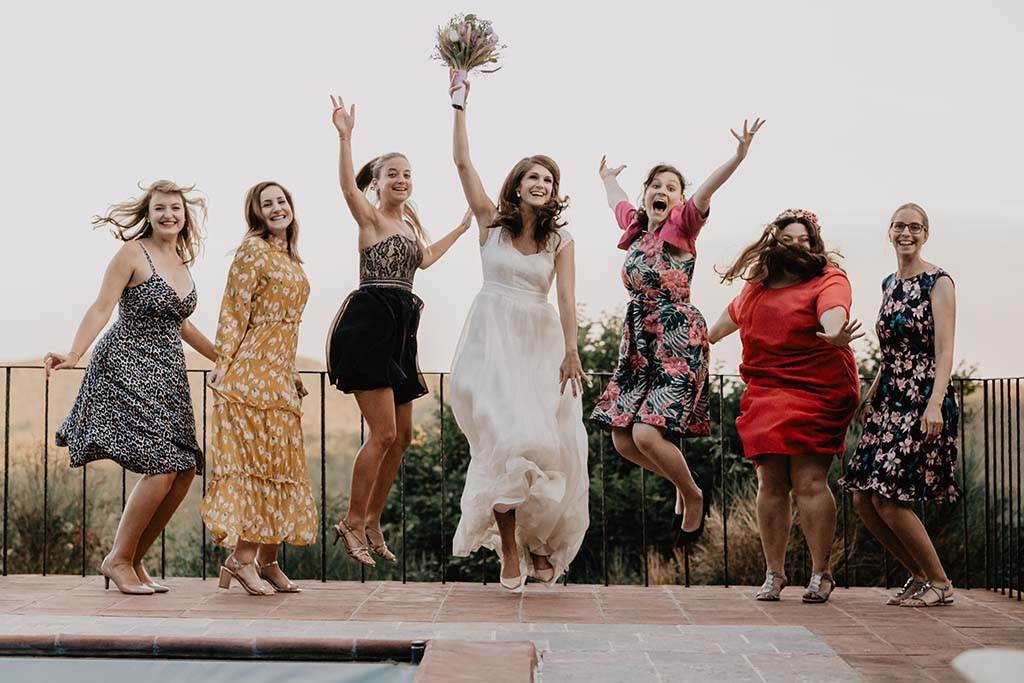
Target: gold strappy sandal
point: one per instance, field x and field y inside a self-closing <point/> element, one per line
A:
<point x="357" y="551"/>
<point x="290" y="587"/>
<point x="232" y="569"/>
<point x="380" y="549"/>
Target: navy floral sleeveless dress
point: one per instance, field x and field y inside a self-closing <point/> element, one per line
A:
<point x="133" y="406"/>
<point x="892" y="459"/>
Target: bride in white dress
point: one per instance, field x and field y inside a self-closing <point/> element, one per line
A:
<point x="516" y="381"/>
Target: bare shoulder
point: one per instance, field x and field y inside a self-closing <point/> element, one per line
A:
<point x="129" y="256"/>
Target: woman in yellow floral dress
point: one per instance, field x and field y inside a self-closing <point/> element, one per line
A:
<point x="259" y="495"/>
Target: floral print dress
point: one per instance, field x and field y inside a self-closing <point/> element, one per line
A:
<point x="892" y="459"/>
<point x="662" y="374"/>
<point x="259" y="489"/>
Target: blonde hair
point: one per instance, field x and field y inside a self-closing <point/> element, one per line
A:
<point x="916" y="207"/>
<point x="370" y="171"/>
<point x="129" y="220"/>
<point x="254" y="217"/>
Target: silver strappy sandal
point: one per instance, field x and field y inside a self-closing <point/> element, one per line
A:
<point x="909" y="588"/>
<point x="931" y="595"/>
<point x="814" y="592"/>
<point x="769" y="591"/>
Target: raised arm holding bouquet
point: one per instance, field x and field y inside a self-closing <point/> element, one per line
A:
<point x="466" y="43"/>
<point x="516" y="378"/>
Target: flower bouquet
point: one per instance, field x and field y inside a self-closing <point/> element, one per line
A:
<point x="466" y="43"/>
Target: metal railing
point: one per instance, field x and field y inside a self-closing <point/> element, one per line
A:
<point x="994" y="465"/>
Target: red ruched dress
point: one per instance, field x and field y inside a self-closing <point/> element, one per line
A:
<point x="802" y="392"/>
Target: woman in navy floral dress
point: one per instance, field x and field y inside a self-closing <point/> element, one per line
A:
<point x="908" y="449"/>
<point x="659" y="391"/>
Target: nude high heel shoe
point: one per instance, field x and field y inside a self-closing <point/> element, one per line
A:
<point x="122" y="582"/>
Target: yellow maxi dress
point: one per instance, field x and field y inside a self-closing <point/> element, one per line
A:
<point x="259" y="489"/>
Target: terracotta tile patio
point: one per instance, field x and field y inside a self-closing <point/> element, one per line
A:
<point x="614" y="633"/>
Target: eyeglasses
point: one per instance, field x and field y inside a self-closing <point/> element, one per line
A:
<point x="914" y="228"/>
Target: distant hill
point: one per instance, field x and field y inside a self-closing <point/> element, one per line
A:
<point x="28" y="390"/>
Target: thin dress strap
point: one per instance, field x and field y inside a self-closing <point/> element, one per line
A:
<point x="147" y="257"/>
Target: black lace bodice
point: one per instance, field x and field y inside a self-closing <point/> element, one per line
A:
<point x="392" y="262"/>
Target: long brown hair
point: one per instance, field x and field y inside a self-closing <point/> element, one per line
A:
<point x="371" y="170"/>
<point x="641" y="213"/>
<point x="549" y="216"/>
<point x="760" y="261"/>
<point x="129" y="220"/>
<point x="254" y="217"/>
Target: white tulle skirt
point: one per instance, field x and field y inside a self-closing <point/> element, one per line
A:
<point x="528" y="445"/>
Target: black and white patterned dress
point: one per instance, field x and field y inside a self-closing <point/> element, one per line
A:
<point x="133" y="406"/>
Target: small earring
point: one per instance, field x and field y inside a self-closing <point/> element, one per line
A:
<point x="518" y="195"/>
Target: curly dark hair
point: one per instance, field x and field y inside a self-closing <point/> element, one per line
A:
<point x="549" y="216"/>
<point x="765" y="259"/>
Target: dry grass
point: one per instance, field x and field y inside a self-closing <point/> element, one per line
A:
<point x="746" y="561"/>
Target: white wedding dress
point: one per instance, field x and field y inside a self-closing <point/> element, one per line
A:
<point x="528" y="445"/>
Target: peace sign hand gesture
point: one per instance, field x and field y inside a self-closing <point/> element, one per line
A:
<point x="746" y="138"/>
<point x="607" y="173"/>
<point x="344" y="121"/>
<point x="844" y="335"/>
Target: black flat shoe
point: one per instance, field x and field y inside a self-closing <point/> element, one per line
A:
<point x="685" y="538"/>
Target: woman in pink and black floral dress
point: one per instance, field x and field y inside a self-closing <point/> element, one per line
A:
<point x="659" y="390"/>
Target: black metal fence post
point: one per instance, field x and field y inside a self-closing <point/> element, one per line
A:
<point x="46" y="474"/>
<point x="206" y="466"/>
<point x="7" y="459"/>
<point x="725" y="501"/>
<point x="442" y="555"/>
<point x="323" y="480"/>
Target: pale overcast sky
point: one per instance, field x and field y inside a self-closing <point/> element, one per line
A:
<point x="869" y="105"/>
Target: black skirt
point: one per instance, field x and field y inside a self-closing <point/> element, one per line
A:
<point x="372" y="344"/>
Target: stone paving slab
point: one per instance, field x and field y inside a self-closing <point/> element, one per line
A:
<point x="854" y="629"/>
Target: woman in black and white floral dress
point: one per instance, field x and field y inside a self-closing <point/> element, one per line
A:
<point x="133" y="406"/>
<point x="908" y="449"/>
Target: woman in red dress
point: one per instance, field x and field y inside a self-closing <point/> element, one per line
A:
<point x="802" y="386"/>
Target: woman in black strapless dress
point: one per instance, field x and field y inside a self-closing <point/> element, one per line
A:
<point x="371" y="348"/>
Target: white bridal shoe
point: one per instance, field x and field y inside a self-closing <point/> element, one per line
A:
<point x="514" y="584"/>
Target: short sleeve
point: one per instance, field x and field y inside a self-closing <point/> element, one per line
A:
<point x="834" y="292"/>
<point x="939" y="274"/>
<point x="625" y="214"/>
<point x="683" y="225"/>
<point x="737" y="305"/>
<point x="564" y="238"/>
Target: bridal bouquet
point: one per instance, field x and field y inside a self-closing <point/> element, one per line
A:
<point x="467" y="43"/>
